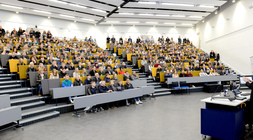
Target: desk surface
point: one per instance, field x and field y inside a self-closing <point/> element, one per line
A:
<point x="226" y="101"/>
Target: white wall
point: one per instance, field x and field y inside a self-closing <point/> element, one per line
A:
<point x="69" y="29"/>
<point x="230" y="33"/>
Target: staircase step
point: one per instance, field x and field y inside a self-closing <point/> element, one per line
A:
<point x="32" y="105"/>
<point x="37" y="111"/>
<point x="26" y="100"/>
<point x="5" y="78"/>
<point x="10" y="86"/>
<point x="11" y="82"/>
<point x="164" y="90"/>
<point x="20" y="95"/>
<point x="39" y="118"/>
<point x="7" y="75"/>
<point x="16" y="90"/>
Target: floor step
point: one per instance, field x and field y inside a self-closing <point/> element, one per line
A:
<point x="39" y="118"/>
<point x="162" y="94"/>
<point x="154" y="84"/>
<point x="10" y="86"/>
<point x="26" y="100"/>
<point x="7" y="75"/>
<point x="32" y="105"/>
<point x="11" y="82"/>
<point x="157" y="87"/>
<point x="162" y="90"/>
<point x="5" y="78"/>
<point x="20" y="95"/>
<point x="37" y="111"/>
<point x="16" y="90"/>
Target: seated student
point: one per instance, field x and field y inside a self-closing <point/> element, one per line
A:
<point x="167" y="75"/>
<point x="20" y="62"/>
<point x="208" y="72"/>
<point x="215" y="73"/>
<point x="31" y="68"/>
<point x="78" y="81"/>
<point x="120" y="86"/>
<point x="41" y="67"/>
<point x="115" y="78"/>
<point x="229" y="72"/>
<point x="202" y="73"/>
<point x="128" y="85"/>
<point x="123" y="65"/>
<point x="134" y="76"/>
<point x="101" y="71"/>
<point x="76" y="72"/>
<point x="83" y="73"/>
<point x="182" y="74"/>
<point x="54" y="66"/>
<point x="115" y="71"/>
<point x="121" y="71"/>
<point x="97" y="79"/>
<point x="67" y="83"/>
<point x="40" y="76"/>
<point x="107" y="78"/>
<point x="54" y="74"/>
<point x="80" y="66"/>
<point x="13" y="56"/>
<point x="102" y="88"/>
<point x="197" y="68"/>
<point x="88" y="80"/>
<point x="112" y="86"/>
<point x="42" y="60"/>
<point x="63" y="66"/>
<point x="127" y="76"/>
<point x="72" y="66"/>
<point x="188" y="74"/>
<point x="222" y="72"/>
<point x="92" y="89"/>
<point x="93" y="71"/>
<point x="108" y="70"/>
<point x="62" y="73"/>
<point x="175" y="74"/>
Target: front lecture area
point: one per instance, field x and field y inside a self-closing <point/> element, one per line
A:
<point x="101" y="80"/>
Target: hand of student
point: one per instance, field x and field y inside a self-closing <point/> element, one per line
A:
<point x="246" y="79"/>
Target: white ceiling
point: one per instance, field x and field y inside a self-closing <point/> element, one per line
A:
<point x="138" y="13"/>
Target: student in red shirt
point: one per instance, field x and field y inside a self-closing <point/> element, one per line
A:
<point x="121" y="71"/>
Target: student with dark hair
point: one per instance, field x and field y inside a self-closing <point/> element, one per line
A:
<point x="128" y="85"/>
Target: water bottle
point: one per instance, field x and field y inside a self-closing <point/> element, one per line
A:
<point x="225" y="92"/>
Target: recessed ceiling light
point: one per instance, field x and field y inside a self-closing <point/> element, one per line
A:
<point x="45" y="12"/>
<point x="98" y="10"/>
<point x="79" y="6"/>
<point x="74" y="21"/>
<point x="10" y="6"/>
<point x="67" y="16"/>
<point x="48" y="17"/>
<point x="233" y="1"/>
<point x="206" y="6"/>
<point x="146" y="14"/>
<point x="195" y="16"/>
<point x="188" y="24"/>
<point x="146" y="2"/>
<point x="169" y="23"/>
<point x="152" y="22"/>
<point x="178" y="4"/>
<point x="162" y="15"/>
<point x="178" y="15"/>
<point x="216" y="12"/>
<point x="88" y="19"/>
<point x="203" y="21"/>
<point x="132" y="22"/>
<point x="126" y="13"/>
<point x="61" y="2"/>
<point x="17" y="12"/>
<point x="112" y="21"/>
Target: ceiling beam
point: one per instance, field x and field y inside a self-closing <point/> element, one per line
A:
<point x="113" y="11"/>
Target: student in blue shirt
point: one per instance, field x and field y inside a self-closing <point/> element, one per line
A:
<point x="67" y="83"/>
<point x="107" y="78"/>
